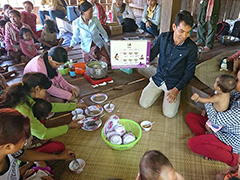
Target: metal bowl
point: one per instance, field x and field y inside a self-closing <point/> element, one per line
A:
<point x="228" y="40"/>
<point x="96" y="69"/>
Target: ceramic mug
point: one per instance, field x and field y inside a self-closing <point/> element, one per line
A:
<point x="128" y="138"/>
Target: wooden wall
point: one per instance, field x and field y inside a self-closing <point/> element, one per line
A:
<point x="230" y="9"/>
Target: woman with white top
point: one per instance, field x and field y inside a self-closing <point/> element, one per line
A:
<point x="88" y="30"/>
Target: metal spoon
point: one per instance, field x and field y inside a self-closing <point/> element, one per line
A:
<point x="149" y="124"/>
<point x="75" y="164"/>
<point x="76" y="113"/>
<point x="90" y="111"/>
<point x="109" y="105"/>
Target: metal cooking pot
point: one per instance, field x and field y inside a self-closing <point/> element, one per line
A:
<point x="96" y="69"/>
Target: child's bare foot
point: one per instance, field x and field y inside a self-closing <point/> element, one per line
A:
<point x="41" y="164"/>
<point x="207" y="158"/>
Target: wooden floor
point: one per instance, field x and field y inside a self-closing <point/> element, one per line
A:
<point x="86" y="88"/>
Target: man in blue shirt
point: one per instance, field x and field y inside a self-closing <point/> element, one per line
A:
<point x="176" y="65"/>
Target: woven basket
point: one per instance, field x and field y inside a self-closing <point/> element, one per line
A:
<point x="130" y="126"/>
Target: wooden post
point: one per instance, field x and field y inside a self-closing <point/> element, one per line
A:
<point x="169" y="10"/>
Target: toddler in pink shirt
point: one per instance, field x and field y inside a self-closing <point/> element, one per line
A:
<point x="27" y="44"/>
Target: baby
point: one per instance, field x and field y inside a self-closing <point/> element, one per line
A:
<point x="155" y="166"/>
<point x="41" y="109"/>
<point x="223" y="85"/>
<point x="49" y="35"/>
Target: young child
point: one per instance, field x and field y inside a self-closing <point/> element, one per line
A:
<point x="30" y="18"/>
<point x="151" y="18"/>
<point x="49" y="35"/>
<point x="2" y="33"/>
<point x="27" y="43"/>
<point x="155" y="166"/>
<point x="123" y="14"/>
<point x="223" y="85"/>
<point x="15" y="130"/>
<point x="6" y="9"/>
<point x="41" y="109"/>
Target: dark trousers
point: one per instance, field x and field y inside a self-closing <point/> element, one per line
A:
<point x="129" y="25"/>
<point x="151" y="30"/>
<point x="53" y="14"/>
<point x="202" y="38"/>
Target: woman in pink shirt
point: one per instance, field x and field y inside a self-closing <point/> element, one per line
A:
<point x="48" y="64"/>
<point x="12" y="38"/>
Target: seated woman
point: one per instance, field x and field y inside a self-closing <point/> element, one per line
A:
<point x="224" y="144"/>
<point x="88" y="30"/>
<point x="48" y="64"/>
<point x="123" y="14"/>
<point x="53" y="8"/>
<point x="100" y="13"/>
<point x="151" y="18"/>
<point x="20" y="97"/>
<point x="12" y="37"/>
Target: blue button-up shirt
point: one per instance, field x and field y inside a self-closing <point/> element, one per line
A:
<point x="87" y="33"/>
<point x="176" y="64"/>
<point x="230" y="120"/>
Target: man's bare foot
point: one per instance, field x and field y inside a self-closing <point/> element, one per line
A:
<point x="205" y="49"/>
<point x="198" y="44"/>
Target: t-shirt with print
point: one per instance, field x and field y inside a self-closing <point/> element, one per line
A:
<point x="12" y="172"/>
